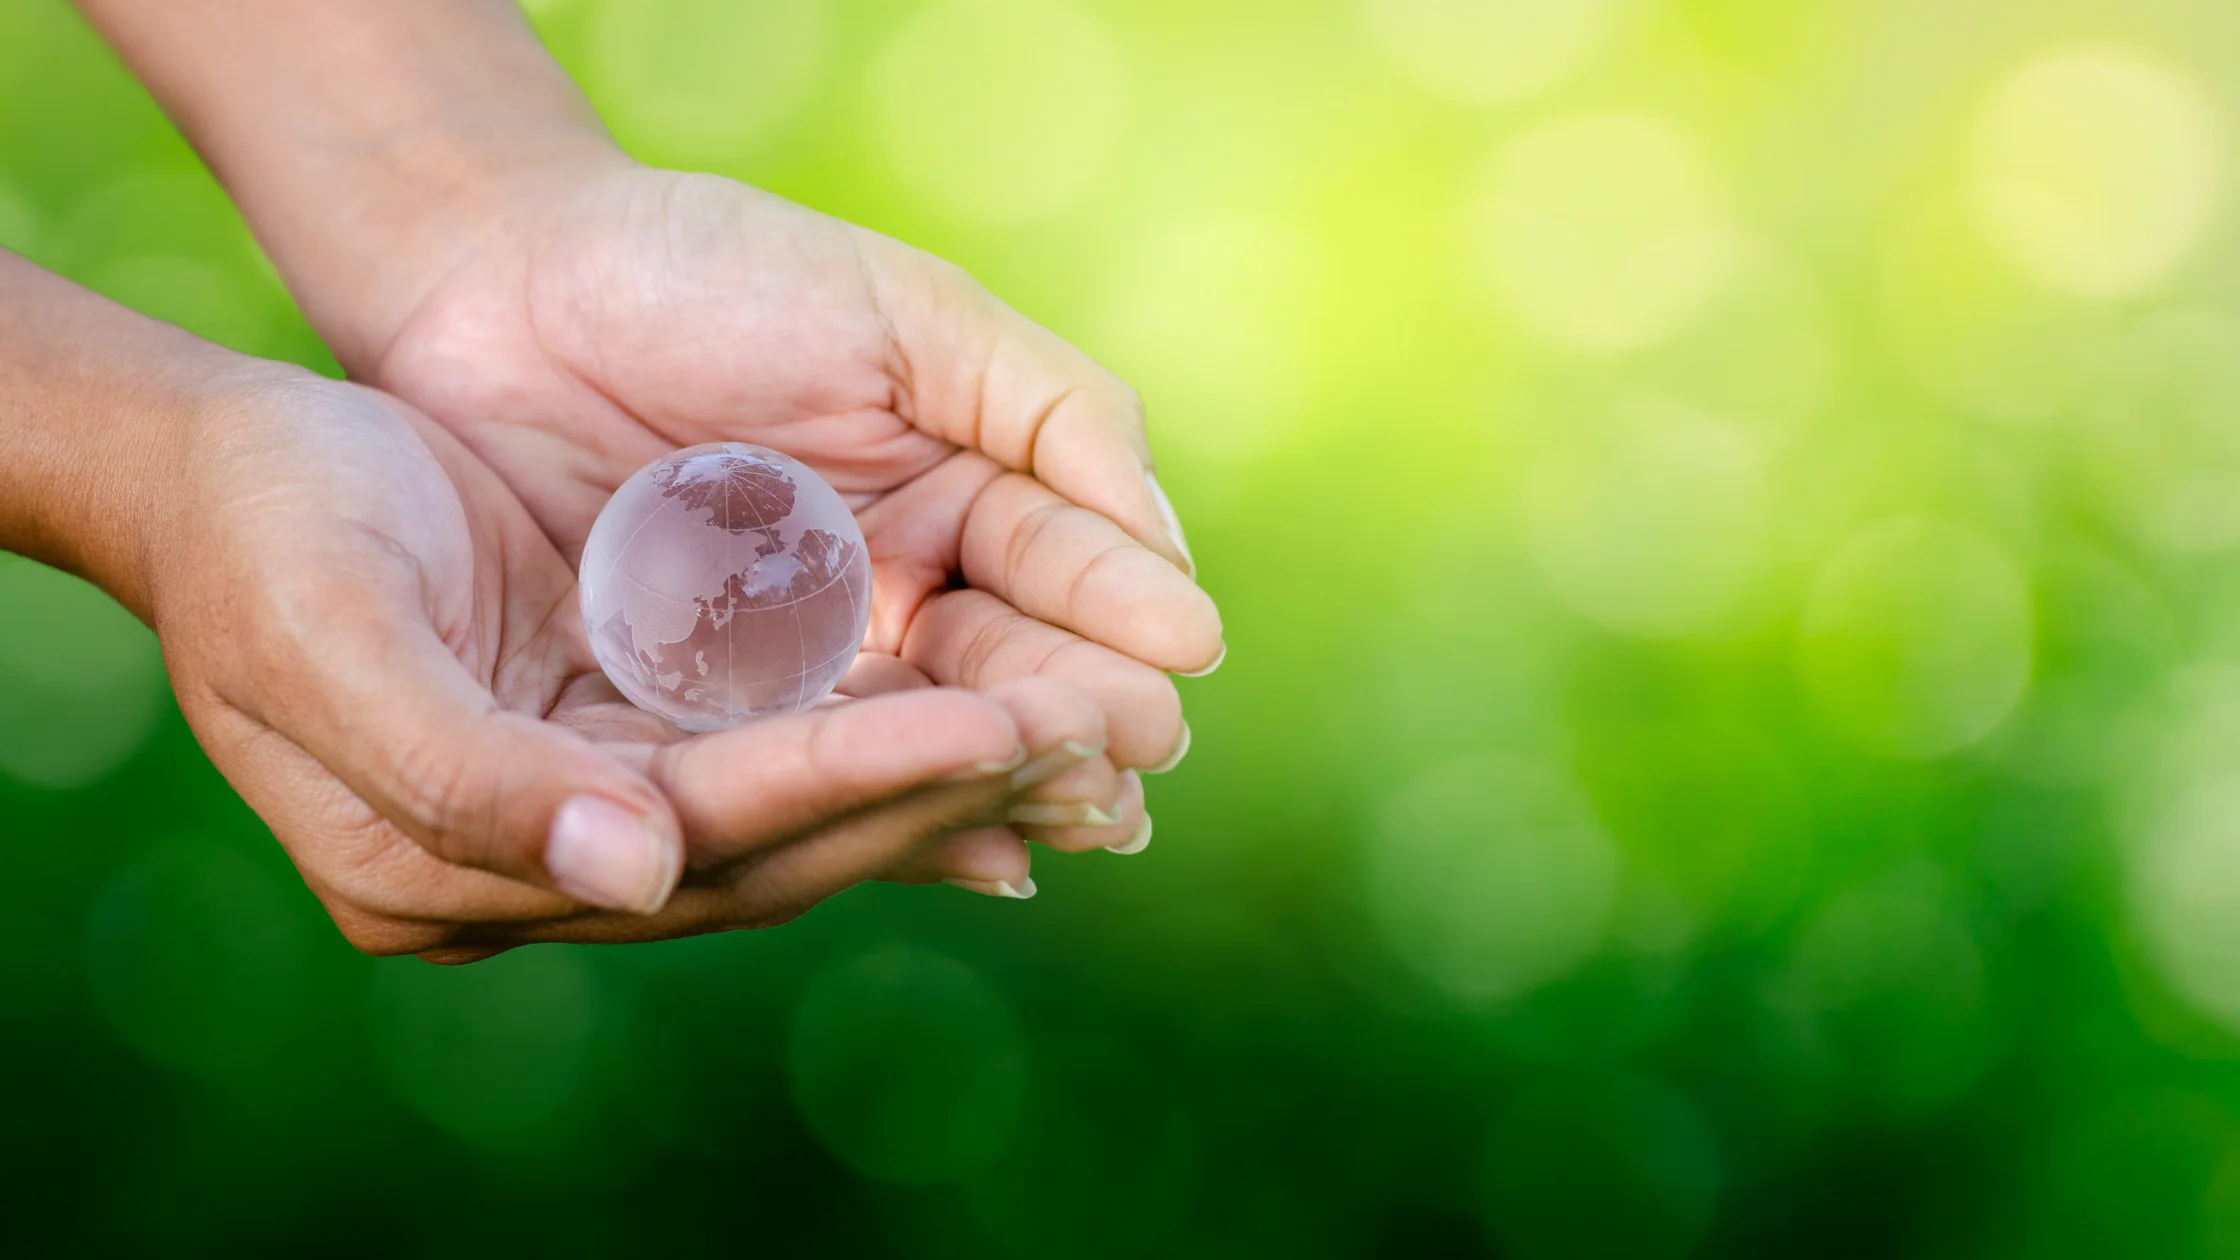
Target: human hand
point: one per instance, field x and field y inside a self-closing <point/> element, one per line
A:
<point x="619" y="313"/>
<point x="466" y="236"/>
<point x="383" y="653"/>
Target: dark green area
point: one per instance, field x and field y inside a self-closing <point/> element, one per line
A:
<point x="1730" y="770"/>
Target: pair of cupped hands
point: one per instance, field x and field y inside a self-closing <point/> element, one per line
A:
<point x="367" y="598"/>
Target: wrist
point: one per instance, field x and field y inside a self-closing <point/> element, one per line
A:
<point x="98" y="411"/>
<point x="372" y="144"/>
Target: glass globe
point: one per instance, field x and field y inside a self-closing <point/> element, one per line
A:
<point x="725" y="582"/>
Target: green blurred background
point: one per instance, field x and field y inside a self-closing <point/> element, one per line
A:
<point x="1728" y="514"/>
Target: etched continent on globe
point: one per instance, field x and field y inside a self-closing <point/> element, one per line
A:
<point x="725" y="582"/>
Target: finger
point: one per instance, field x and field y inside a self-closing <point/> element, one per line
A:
<point x="798" y="876"/>
<point x="878" y="674"/>
<point x="386" y="893"/>
<point x="916" y="536"/>
<point x="1075" y="569"/>
<point x="1098" y="808"/>
<point x="1115" y="825"/>
<point x="385" y="705"/>
<point x="972" y="639"/>
<point x="401" y="899"/>
<point x="991" y="861"/>
<point x="780" y="885"/>
<point x="1060" y="724"/>
<point x="1083" y="795"/>
<point x="986" y="377"/>
<point x="745" y="789"/>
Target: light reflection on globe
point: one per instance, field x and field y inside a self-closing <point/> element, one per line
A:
<point x="725" y="582"/>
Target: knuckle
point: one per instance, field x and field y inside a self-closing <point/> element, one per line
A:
<point x="448" y="794"/>
<point x="1032" y="531"/>
<point x="1091" y="569"/>
<point x="1126" y="401"/>
<point x="978" y="656"/>
<point x="433" y="794"/>
<point x="1033" y="696"/>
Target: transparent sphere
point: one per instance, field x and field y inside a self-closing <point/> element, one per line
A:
<point x="725" y="582"/>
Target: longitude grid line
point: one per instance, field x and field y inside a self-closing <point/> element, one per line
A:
<point x="811" y="669"/>
<point x="800" y="680"/>
<point x="731" y="613"/>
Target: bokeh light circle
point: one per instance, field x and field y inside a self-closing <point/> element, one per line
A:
<point x="197" y="957"/>
<point x="1975" y="333"/>
<point x="2185" y="895"/>
<point x="703" y="80"/>
<point x="1890" y="988"/>
<point x="81" y="680"/>
<point x="2103" y="627"/>
<point x="1210" y="324"/>
<point x="2155" y="436"/>
<point x="2181" y="825"/>
<point x="494" y="1053"/>
<point x="1491" y="876"/>
<point x="1604" y="232"/>
<point x="1766" y="359"/>
<point x="1000" y="111"/>
<point x="1486" y="53"/>
<point x="1705" y="807"/>
<point x="1916" y="638"/>
<point x="2098" y="169"/>
<point x="908" y="1066"/>
<point x="1653" y="527"/>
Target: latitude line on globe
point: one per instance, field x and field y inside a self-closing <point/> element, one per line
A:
<point x="752" y="608"/>
<point x="811" y="669"/>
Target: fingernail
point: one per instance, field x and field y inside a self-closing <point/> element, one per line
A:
<point x="1017" y="759"/>
<point x="602" y="853"/>
<point x="1174" y="758"/>
<point x="1067" y="814"/>
<point x="1057" y="761"/>
<point x="1200" y="673"/>
<point x="990" y="769"/>
<point x="1136" y="843"/>
<point x="996" y="887"/>
<point x="1172" y="522"/>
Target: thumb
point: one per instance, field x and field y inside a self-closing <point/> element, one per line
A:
<point x="395" y="715"/>
<point x="507" y="793"/>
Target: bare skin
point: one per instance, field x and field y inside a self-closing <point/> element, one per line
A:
<point x="377" y="645"/>
<point x="464" y="234"/>
<point x="544" y="316"/>
<point x="603" y="331"/>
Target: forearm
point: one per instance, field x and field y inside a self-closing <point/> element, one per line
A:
<point x="369" y="142"/>
<point x="93" y="401"/>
